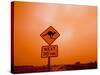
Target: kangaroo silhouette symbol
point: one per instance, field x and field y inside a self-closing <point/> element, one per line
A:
<point x="50" y="33"/>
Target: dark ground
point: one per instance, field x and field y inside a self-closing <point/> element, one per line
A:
<point x="76" y="66"/>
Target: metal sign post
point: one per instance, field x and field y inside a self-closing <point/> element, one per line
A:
<point x="49" y="63"/>
<point x="49" y="35"/>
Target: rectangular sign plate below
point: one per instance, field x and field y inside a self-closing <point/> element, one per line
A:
<point x="49" y="51"/>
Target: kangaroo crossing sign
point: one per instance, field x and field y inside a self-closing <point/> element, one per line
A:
<point x="50" y="35"/>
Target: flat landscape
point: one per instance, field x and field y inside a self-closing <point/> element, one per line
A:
<point x="76" y="66"/>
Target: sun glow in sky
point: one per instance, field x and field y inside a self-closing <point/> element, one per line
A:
<point x="77" y="25"/>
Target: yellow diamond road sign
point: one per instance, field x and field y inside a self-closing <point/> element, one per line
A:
<point x="50" y="35"/>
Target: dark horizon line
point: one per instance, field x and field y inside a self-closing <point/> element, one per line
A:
<point x="95" y="62"/>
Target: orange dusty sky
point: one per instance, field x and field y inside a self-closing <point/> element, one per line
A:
<point x="77" y="25"/>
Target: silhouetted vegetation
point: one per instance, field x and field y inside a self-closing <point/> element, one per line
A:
<point x="76" y="66"/>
